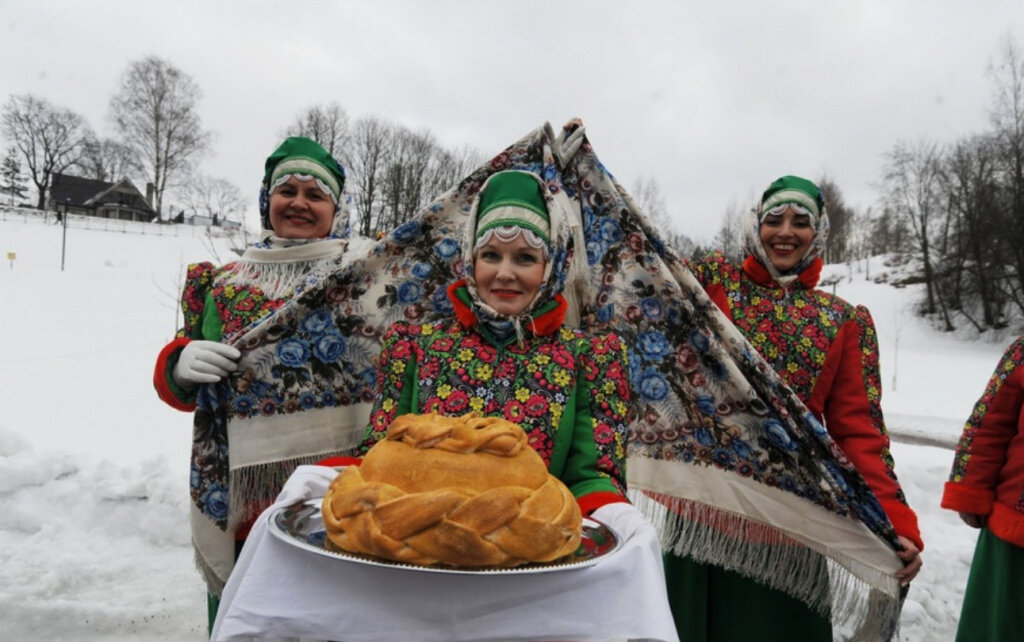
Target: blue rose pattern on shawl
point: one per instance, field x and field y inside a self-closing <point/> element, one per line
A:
<point x="704" y="397"/>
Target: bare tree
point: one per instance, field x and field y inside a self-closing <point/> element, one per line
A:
<point x="889" y="233"/>
<point x="411" y="176"/>
<point x="327" y="125"/>
<point x="108" y="160"/>
<point x="1007" y="114"/>
<point x="975" y="254"/>
<point x="840" y="218"/>
<point x="49" y="138"/>
<point x="368" y="152"/>
<point x="408" y="160"/>
<point x="154" y="110"/>
<point x="729" y="239"/>
<point x="648" y="197"/>
<point x="215" y="198"/>
<point x="912" y="179"/>
<point x="897" y="332"/>
<point x="858" y="240"/>
<point x="452" y="166"/>
<point x="394" y="172"/>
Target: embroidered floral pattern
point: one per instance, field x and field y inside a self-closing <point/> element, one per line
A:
<point x="238" y="307"/>
<point x="792" y="329"/>
<point x="1012" y="358"/>
<point x="455" y="371"/>
<point x="705" y="398"/>
<point x="795" y="328"/>
<point x="873" y="386"/>
<point x="684" y="356"/>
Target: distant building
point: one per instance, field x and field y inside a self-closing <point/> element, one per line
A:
<point x="121" y="200"/>
<point x="204" y="221"/>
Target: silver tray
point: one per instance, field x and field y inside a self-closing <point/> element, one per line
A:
<point x="301" y="525"/>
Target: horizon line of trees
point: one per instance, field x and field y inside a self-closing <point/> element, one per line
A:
<point x="956" y="211"/>
<point x="952" y="215"/>
<point x="953" y="212"/>
<point x="392" y="171"/>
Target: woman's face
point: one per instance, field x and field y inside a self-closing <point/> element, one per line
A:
<point x="301" y="210"/>
<point x="786" y="238"/>
<point x="508" y="274"/>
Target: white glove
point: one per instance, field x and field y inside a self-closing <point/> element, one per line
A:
<point x="204" y="362"/>
<point x="568" y="145"/>
<point x="623" y="518"/>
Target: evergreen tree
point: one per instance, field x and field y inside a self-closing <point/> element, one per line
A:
<point x="11" y="178"/>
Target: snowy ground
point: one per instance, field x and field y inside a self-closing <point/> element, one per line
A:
<point x="94" y="538"/>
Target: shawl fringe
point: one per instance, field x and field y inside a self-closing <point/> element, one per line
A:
<point x="214" y="583"/>
<point x="254" y="488"/>
<point x="282" y="273"/>
<point x="713" y="536"/>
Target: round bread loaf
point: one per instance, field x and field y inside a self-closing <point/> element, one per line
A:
<point x="458" y="491"/>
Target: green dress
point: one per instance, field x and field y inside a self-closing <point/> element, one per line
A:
<point x="710" y="603"/>
<point x="993" y="606"/>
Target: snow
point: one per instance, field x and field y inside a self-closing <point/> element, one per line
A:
<point x="94" y="541"/>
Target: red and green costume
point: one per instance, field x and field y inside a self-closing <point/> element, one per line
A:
<point x="825" y="350"/>
<point x="211" y="310"/>
<point x="988" y="479"/>
<point x="568" y="390"/>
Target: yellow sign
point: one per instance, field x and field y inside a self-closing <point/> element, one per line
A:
<point x="11" y="256"/>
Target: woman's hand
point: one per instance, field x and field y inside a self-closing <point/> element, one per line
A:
<point x="911" y="557"/>
<point x="204" y="362"/>
<point x="974" y="520"/>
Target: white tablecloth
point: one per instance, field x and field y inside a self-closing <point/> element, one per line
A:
<point x="278" y="591"/>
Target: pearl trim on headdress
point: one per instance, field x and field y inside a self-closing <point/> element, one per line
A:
<point x="797" y="207"/>
<point x="324" y="187"/>
<point x="507" y="234"/>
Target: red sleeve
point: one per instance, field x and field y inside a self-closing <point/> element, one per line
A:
<point x="853" y="416"/>
<point x="165" y="388"/>
<point x="198" y="277"/>
<point x="340" y="460"/>
<point x="980" y="459"/>
<point x="592" y="501"/>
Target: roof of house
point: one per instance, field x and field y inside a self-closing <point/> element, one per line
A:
<point x="88" y="192"/>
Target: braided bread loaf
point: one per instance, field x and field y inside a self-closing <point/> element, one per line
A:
<point x="459" y="491"/>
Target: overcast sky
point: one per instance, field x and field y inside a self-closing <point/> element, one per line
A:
<point x="713" y="100"/>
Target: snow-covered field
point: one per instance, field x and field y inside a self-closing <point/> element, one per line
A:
<point x="94" y="541"/>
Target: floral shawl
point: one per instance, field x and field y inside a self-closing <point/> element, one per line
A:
<point x="724" y="457"/>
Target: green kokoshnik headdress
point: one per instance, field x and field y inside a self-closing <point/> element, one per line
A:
<point x="800" y="193"/>
<point x="305" y="157"/>
<point x="513" y="199"/>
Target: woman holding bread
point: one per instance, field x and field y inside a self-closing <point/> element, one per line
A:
<point x="507" y="352"/>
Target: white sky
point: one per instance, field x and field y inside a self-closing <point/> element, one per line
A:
<point x="714" y="100"/>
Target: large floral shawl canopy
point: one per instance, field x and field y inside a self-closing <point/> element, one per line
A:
<point x="723" y="456"/>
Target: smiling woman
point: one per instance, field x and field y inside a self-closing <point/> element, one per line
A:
<point x="300" y="209"/>
<point x="507" y="353"/>
<point x="511" y="247"/>
<point x="786" y="233"/>
<point x="825" y="350"/>
<point x="305" y="236"/>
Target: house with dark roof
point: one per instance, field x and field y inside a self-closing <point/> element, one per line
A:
<point x="78" y="195"/>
